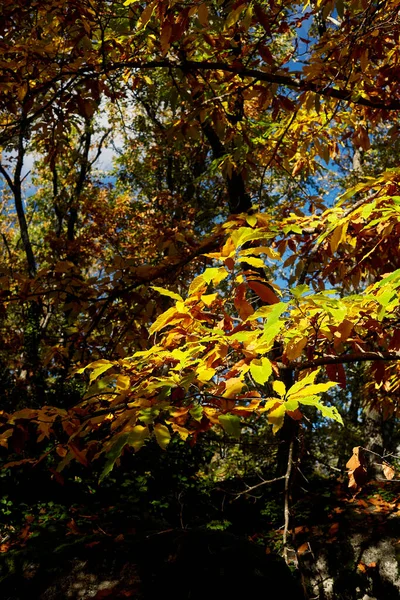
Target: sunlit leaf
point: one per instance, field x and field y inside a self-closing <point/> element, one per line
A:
<point x="165" y="292"/>
<point x="260" y="370"/>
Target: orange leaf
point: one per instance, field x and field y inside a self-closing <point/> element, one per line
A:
<point x="296" y="415"/>
<point x="303" y="548"/>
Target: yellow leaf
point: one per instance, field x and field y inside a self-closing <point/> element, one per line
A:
<point x="208" y="299"/>
<point x="98" y="367"/>
<point x="233" y="386"/>
<point x="295" y="348"/>
<point x="270" y="252"/>
<point x="258" y="263"/>
<point x="276" y="418"/>
<point x="198" y="285"/>
<point x="163" y="319"/>
<point x="251" y="220"/>
<point x="310" y="390"/>
<point x="123" y="383"/>
<point x="168" y="293"/>
<point x="162" y="434"/>
<point x="245" y="234"/>
<point x="181" y="431"/>
<point x="335" y="238"/>
<point x="279" y="388"/>
<point x="137" y="437"/>
<point x="307" y="380"/>
<point x="215" y="274"/>
<point x="338" y="236"/>
<point x="205" y="373"/>
<point x="260" y="370"/>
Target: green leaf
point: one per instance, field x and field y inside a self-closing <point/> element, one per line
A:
<point x="113" y="454"/>
<point x="261" y="369"/>
<point x="162" y="434"/>
<point x="310" y="400"/>
<point x="231" y="424"/>
<point x="243" y="336"/>
<point x="291" y="404"/>
<point x="271" y="313"/>
<point x="389" y="278"/>
<point x="196" y="412"/>
<point x="331" y="412"/>
<point x="300" y="290"/>
<point x="147" y="415"/>
<point x="266" y="340"/>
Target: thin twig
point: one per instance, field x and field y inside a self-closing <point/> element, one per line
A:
<point x="263" y="482"/>
<point x="286" y="506"/>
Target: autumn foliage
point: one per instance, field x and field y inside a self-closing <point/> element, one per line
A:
<point x="240" y="254"/>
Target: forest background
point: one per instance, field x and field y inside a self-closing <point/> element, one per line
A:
<point x="204" y="333"/>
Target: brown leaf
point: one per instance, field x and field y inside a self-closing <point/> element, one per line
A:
<point x="337" y="373"/>
<point x="73" y="528"/>
<point x="357" y="471"/>
<point x="79" y="455"/>
<point x="334" y="528"/>
<point x="388" y="470"/>
<point x="243" y="307"/>
<point x="296" y="415"/>
<point x="264" y="291"/>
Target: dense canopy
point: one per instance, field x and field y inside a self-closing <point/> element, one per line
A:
<point x="200" y="225"/>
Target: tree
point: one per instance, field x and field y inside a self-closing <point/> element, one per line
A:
<point x="208" y="279"/>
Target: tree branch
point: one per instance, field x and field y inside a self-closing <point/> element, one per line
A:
<point x="341" y="359"/>
<point x="290" y="80"/>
